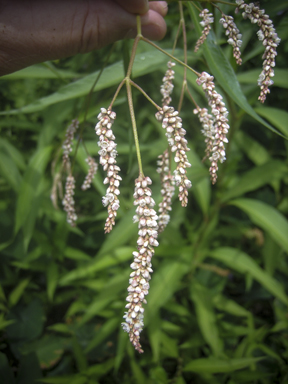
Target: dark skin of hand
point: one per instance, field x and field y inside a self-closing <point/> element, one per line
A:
<point x="33" y="31"/>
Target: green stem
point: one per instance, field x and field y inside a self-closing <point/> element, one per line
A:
<point x="184" y="84"/>
<point x="145" y="94"/>
<point x="191" y="97"/>
<point x="134" y="126"/>
<point x="134" y="48"/>
<point x="129" y="93"/>
<point x="171" y="56"/>
<point x="116" y="93"/>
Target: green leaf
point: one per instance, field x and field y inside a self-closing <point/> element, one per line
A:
<point x="243" y="263"/>
<point x="267" y="218"/>
<point x="223" y="71"/>
<point x="81" y="361"/>
<point x="13" y="153"/>
<point x="40" y="71"/>
<point x="155" y="333"/>
<point x="61" y="328"/>
<point x="29" y="370"/>
<point x="28" y="323"/>
<point x="18" y="291"/>
<point x="169" y="346"/>
<point x="52" y="280"/>
<point x="256" y="178"/>
<point x="30" y="186"/>
<point x="68" y="379"/>
<point x="159" y="375"/>
<point x="221" y="302"/>
<point x="145" y="62"/>
<point x="206" y="317"/>
<point x="49" y="349"/>
<point x="275" y="116"/>
<point x="137" y="372"/>
<point x="5" y="370"/>
<point x="202" y="187"/>
<point x="76" y="254"/>
<point x="98" y="370"/>
<point x="106" y="329"/>
<point x="108" y="295"/>
<point x="122" y="342"/>
<point x="123" y="231"/>
<point x="211" y="365"/>
<point x="10" y="171"/>
<point x="4" y="323"/>
<point x="166" y="281"/>
<point x="101" y="262"/>
<point x="252" y="148"/>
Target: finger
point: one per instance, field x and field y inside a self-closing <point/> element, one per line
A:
<point x="153" y="26"/>
<point x="134" y="6"/>
<point x="160" y="7"/>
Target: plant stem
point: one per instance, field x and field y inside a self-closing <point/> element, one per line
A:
<point x="134" y="126"/>
<point x="184" y="84"/>
<point x="116" y="93"/>
<point x="171" y="56"/>
<point x="129" y="93"/>
<point x="145" y="94"/>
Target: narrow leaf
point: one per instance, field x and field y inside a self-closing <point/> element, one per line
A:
<point x="101" y="262"/>
<point x="267" y="218"/>
<point x="256" y="178"/>
<point x="39" y="71"/>
<point x="243" y="263"/>
<point x="18" y="291"/>
<point x="166" y="281"/>
<point x="206" y="317"/>
<point x="211" y="365"/>
<point x="112" y="75"/>
<point x="275" y="116"/>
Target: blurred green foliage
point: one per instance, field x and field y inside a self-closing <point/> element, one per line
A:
<point x="217" y="307"/>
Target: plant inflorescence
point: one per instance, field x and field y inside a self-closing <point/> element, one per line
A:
<point x="173" y="162"/>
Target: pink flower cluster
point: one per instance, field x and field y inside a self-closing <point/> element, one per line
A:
<point x="167" y="86"/>
<point x="167" y="190"/>
<point x="234" y="36"/>
<point x="220" y="125"/>
<point x="108" y="155"/>
<point x="270" y="40"/>
<point x="172" y="123"/>
<point x="93" y="166"/>
<point x="68" y="201"/>
<point x="207" y="20"/>
<point x="142" y="267"/>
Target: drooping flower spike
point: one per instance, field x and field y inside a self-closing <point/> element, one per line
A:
<point x="67" y="145"/>
<point x="93" y="166"/>
<point x="207" y="20"/>
<point x="108" y="155"/>
<point x="68" y="201"/>
<point x="234" y="36"/>
<point x="142" y="267"/>
<point x="167" y="85"/>
<point x="167" y="189"/>
<point x="221" y="126"/>
<point x="267" y="34"/>
<point x="175" y="134"/>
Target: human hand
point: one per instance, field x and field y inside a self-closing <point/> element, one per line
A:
<point x="35" y="31"/>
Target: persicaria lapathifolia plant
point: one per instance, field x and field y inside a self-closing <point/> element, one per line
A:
<point x="215" y="127"/>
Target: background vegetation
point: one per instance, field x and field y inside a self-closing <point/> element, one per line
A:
<point x="217" y="307"/>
